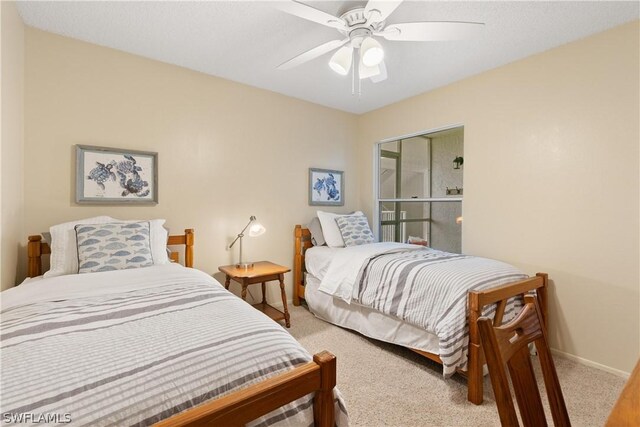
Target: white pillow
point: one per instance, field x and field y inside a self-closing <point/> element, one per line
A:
<point x="64" y="252"/>
<point x="330" y="229"/>
<point x="315" y="228"/>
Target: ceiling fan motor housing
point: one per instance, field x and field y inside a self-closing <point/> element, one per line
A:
<point x="358" y="29"/>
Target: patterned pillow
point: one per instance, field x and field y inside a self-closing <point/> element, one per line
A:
<point x="355" y="229"/>
<point x="113" y="246"/>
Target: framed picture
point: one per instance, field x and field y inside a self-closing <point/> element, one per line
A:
<point x="116" y="176"/>
<point x="326" y="187"/>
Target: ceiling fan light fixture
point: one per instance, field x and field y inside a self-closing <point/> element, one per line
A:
<point x="372" y="52"/>
<point x="340" y="62"/>
<point x="366" y="72"/>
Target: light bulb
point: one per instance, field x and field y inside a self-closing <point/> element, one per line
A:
<point x="372" y="53"/>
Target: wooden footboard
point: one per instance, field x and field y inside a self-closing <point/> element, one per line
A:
<point x="241" y="407"/>
<point x="533" y="287"/>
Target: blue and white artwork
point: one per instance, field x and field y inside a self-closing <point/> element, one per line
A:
<point x="111" y="175"/>
<point x="326" y="187"/>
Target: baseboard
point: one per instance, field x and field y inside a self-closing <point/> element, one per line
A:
<point x="280" y="306"/>
<point x="275" y="304"/>
<point x="555" y="352"/>
<point x="590" y="363"/>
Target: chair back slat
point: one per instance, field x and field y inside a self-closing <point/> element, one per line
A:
<point x="552" y="384"/>
<point x="506" y="347"/>
<point x="499" y="380"/>
<point x="526" y="390"/>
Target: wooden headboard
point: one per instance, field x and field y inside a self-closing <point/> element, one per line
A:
<point x="36" y="248"/>
<point x="303" y="242"/>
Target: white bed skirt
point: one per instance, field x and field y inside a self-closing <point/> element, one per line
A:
<point x="368" y="322"/>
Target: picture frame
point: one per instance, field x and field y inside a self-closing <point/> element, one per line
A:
<point x="326" y="187"/>
<point x="116" y="176"/>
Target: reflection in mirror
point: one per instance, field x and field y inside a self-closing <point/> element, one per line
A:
<point x="422" y="168"/>
<point x="388" y="177"/>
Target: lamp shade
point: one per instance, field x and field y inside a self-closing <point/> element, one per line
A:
<point x="365" y="72"/>
<point x="340" y="62"/>
<point x="256" y="229"/>
<point x="372" y="53"/>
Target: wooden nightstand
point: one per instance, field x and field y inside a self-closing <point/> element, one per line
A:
<point x="262" y="272"/>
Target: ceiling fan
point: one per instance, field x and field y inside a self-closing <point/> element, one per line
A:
<point x="359" y="27"/>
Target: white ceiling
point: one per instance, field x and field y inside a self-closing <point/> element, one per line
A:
<point x="246" y="41"/>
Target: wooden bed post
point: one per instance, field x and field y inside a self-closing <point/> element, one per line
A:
<point x="323" y="407"/>
<point x="475" y="363"/>
<point x="302" y="243"/>
<point x="34" y="267"/>
<point x="297" y="261"/>
<point x="188" y="249"/>
<point x="541" y="294"/>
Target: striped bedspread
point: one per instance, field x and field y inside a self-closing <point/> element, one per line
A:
<point x="428" y="288"/>
<point x="134" y="347"/>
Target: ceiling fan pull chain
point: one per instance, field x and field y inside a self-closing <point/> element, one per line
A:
<point x="353" y="82"/>
<point x="359" y="79"/>
<point x="353" y="74"/>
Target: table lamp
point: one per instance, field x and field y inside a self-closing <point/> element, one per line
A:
<point x="255" y="229"/>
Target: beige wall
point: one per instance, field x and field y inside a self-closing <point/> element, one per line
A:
<point x="12" y="148"/>
<point x="550" y="180"/>
<point x="226" y="150"/>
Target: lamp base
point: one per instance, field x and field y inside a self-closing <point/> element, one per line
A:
<point x="244" y="265"/>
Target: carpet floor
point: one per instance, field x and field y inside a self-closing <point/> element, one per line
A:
<point x="387" y="385"/>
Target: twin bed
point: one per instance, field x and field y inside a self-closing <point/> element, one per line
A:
<point x="163" y="344"/>
<point x="426" y="300"/>
<point x="168" y="345"/>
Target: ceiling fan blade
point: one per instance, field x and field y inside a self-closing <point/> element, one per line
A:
<point x="312" y="14"/>
<point x="431" y="31"/>
<point x="379" y="10"/>
<point x="312" y="54"/>
<point x="382" y="75"/>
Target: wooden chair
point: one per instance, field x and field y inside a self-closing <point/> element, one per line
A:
<point x="508" y="346"/>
